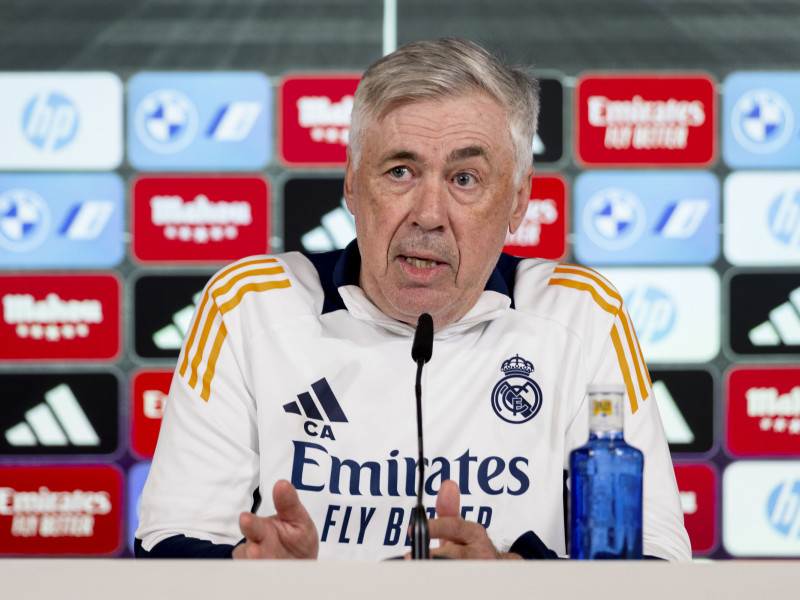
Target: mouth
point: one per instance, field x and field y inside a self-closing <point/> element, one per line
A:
<point x="421" y="263"/>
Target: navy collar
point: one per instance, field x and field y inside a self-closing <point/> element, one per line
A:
<point x="342" y="267"/>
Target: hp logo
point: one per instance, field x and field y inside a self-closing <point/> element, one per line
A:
<point x="784" y="217"/>
<point x="653" y="313"/>
<point x="50" y="121"/>
<point x="783" y="509"/>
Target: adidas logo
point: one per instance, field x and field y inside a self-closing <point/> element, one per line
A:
<point x="676" y="428"/>
<point x="326" y="405"/>
<point x="58" y="421"/>
<point x="538" y="146"/>
<point x="783" y="326"/>
<point x="171" y="336"/>
<point x="337" y="230"/>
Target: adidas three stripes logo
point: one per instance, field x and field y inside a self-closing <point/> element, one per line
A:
<point x="327" y="410"/>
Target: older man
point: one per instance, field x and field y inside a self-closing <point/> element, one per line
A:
<point x="296" y="376"/>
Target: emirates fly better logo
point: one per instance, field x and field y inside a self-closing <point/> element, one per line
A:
<point x="149" y="390"/>
<point x="543" y="231"/>
<point x="66" y="510"/>
<point x="649" y="119"/>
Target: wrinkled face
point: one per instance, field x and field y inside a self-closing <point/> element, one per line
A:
<point x="433" y="198"/>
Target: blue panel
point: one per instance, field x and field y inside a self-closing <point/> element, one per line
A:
<point x="197" y="121"/>
<point x="646" y="218"/>
<point x="761" y="120"/>
<point x="61" y="221"/>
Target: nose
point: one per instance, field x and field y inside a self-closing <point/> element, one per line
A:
<point x="429" y="206"/>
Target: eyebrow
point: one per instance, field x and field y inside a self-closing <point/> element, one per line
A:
<point x="467" y="152"/>
<point x="455" y="155"/>
<point x="402" y="155"/>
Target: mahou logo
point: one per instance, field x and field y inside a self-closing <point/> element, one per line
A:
<point x="315" y="118"/>
<point x="149" y="398"/>
<point x="60" y="317"/>
<point x="651" y="119"/>
<point x="763" y="410"/>
<point x="543" y="231"/>
<point x="199" y="219"/>
<point x="65" y="510"/>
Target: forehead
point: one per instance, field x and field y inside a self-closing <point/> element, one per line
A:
<point x="466" y="120"/>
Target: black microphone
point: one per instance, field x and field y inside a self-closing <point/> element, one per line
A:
<point x="421" y="351"/>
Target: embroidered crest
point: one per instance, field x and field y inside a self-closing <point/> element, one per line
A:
<point x="516" y="398"/>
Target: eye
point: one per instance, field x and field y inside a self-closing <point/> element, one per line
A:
<point x="399" y="172"/>
<point x="464" y="179"/>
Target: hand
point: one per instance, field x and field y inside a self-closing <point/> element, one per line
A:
<point x="288" y="534"/>
<point x="459" y="538"/>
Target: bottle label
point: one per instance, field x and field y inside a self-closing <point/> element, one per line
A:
<point x="602" y="407"/>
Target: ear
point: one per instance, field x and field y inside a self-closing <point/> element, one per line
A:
<point x="349" y="181"/>
<point x="521" y="199"/>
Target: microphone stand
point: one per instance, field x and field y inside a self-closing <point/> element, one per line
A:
<point x="421" y="352"/>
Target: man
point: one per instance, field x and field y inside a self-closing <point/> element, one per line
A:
<point x="296" y="377"/>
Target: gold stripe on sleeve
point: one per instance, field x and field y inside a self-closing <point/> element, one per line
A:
<point x="633" y="366"/>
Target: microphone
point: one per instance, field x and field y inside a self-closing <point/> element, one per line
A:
<point x="421" y="351"/>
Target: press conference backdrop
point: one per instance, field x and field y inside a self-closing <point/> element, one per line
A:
<point x="144" y="144"/>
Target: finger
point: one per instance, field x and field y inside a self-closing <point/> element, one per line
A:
<point x="251" y="527"/>
<point x="448" y="500"/>
<point x="287" y="503"/>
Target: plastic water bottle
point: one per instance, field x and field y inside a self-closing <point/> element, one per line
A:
<point x="606" y="484"/>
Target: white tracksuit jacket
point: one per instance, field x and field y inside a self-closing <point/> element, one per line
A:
<point x="289" y="372"/>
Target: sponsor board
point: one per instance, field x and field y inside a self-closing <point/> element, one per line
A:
<point x="762" y="218"/>
<point x="652" y="217"/>
<point x="61" y="220"/>
<point x="761" y="120"/>
<point x="60" y="121"/>
<point x="61" y="413"/>
<point x="60" y="510"/>
<point x="675" y="311"/>
<point x="763" y="410"/>
<point x="548" y="142"/>
<point x="200" y="120"/>
<point x="697" y="484"/>
<point x="765" y="312"/>
<point x="761" y="508"/>
<point x="685" y="400"/>
<point x="645" y="119"/>
<point x="60" y="317"/>
<point x="315" y="215"/>
<point x="199" y="219"/>
<point x="314" y="118"/>
<point x="149" y="391"/>
<point x="163" y="308"/>
<point x="136" y="480"/>
<point x="543" y="231"/>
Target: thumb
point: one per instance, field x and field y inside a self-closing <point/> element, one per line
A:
<point x="287" y="502"/>
<point x="448" y="500"/>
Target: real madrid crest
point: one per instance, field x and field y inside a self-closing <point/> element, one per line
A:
<point x="516" y="398"/>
